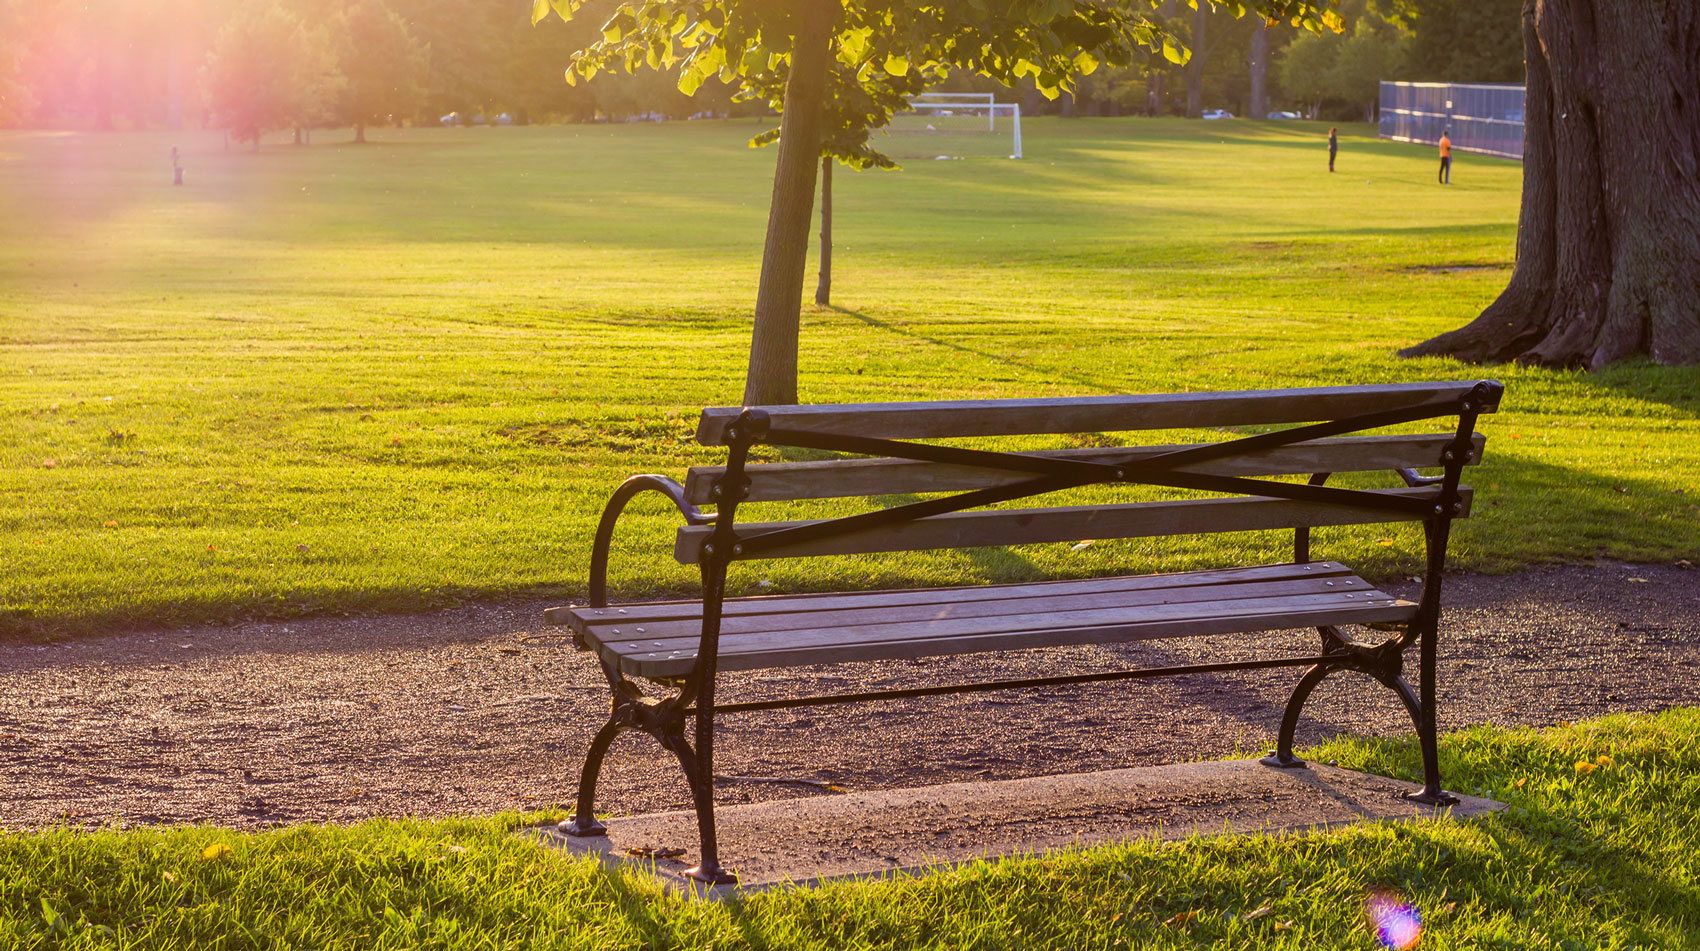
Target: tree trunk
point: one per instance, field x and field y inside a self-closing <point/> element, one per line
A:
<point x="823" y="287"/>
<point x="359" y="132"/>
<point x="1195" y="66"/>
<point x="1608" y="240"/>
<point x="1259" y="105"/>
<point x="772" y="375"/>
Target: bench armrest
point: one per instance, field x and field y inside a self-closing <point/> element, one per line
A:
<point x="1417" y="481"/>
<point x="611" y="515"/>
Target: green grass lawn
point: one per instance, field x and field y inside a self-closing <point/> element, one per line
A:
<point x="1588" y="856"/>
<point x="404" y="375"/>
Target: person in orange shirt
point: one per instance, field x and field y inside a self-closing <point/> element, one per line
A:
<point x="1445" y="158"/>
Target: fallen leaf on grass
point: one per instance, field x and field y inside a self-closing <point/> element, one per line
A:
<point x="1261" y="911"/>
<point x="215" y="851"/>
<point x="1079" y="546"/>
<point x="1181" y="918"/>
<point x="168" y="876"/>
<point x="50" y="463"/>
<point x="1583" y="767"/>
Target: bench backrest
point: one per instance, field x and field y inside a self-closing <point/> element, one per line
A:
<point x="892" y="462"/>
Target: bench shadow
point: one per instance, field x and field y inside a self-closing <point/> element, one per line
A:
<point x="1502" y="842"/>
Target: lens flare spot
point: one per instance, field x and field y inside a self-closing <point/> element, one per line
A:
<point x="1397" y="924"/>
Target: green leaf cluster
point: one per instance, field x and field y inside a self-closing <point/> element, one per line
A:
<point x="886" y="51"/>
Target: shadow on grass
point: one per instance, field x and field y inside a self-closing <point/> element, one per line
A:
<point x="1538" y="837"/>
<point x="1044" y="372"/>
<point x="1514" y="523"/>
<point x="1677" y="387"/>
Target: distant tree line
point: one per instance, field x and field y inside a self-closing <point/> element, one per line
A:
<point x="1250" y="68"/>
<point x="251" y="66"/>
<point x="255" y="65"/>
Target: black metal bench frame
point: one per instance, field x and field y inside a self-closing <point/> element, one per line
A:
<point x="664" y="718"/>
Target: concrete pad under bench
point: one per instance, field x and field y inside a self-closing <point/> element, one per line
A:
<point x="822" y="838"/>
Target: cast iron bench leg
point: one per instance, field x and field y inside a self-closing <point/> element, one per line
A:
<point x="583" y="822"/>
<point x="1431" y="794"/>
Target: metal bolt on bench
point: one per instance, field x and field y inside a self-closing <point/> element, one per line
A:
<point x="684" y="644"/>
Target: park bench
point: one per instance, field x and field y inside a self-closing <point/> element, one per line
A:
<point x="683" y="645"/>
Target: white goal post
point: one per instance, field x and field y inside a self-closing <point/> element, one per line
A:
<point x="969" y="103"/>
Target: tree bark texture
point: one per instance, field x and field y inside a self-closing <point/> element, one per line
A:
<point x="1195" y="65"/>
<point x="1608" y="239"/>
<point x="823" y="286"/>
<point x="772" y="377"/>
<point x="1259" y="98"/>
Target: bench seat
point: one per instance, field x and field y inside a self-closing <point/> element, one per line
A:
<point x="660" y="639"/>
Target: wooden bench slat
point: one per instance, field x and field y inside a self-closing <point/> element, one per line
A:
<point x="843" y="478"/>
<point x="656" y="611"/>
<point x="750" y="652"/>
<point x="1013" y="619"/>
<point x="602" y="630"/>
<point x="923" y="420"/>
<point x="1072" y="523"/>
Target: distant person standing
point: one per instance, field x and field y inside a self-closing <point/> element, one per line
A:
<point x="1333" y="146"/>
<point x="1445" y="158"/>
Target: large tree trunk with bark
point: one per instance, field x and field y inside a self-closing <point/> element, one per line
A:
<point x="823" y="286"/>
<point x="1608" y="241"/>
<point x="772" y="376"/>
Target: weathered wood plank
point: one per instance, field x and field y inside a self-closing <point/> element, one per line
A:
<point x="842" y="478"/>
<point x="1226" y="619"/>
<point x="605" y="630"/>
<point x="1071" y="523"/>
<point x="924" y="420"/>
<point x="657" y="611"/>
<point x="1014" y="618"/>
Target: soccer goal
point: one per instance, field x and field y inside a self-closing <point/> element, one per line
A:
<point x="955" y="125"/>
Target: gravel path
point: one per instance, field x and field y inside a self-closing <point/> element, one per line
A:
<point x="469" y="711"/>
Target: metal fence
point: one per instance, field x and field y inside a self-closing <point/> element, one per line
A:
<point x="1481" y="117"/>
